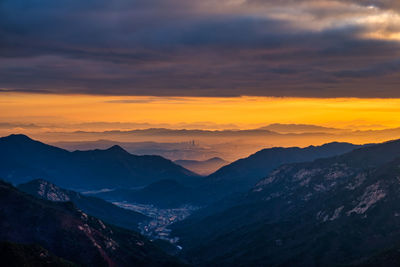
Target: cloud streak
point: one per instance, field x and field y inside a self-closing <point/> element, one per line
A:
<point x="303" y="48"/>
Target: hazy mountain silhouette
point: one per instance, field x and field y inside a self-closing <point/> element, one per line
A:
<point x="300" y="128"/>
<point x="170" y="150"/>
<point x="25" y="159"/>
<point x="203" y="167"/>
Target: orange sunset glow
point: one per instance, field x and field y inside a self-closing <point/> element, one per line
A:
<point x="219" y="112"/>
<point x="55" y="118"/>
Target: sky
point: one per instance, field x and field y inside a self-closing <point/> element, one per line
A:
<point x="98" y="112"/>
<point x="199" y="64"/>
<point x="298" y="48"/>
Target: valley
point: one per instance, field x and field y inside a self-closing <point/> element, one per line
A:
<point x="161" y="219"/>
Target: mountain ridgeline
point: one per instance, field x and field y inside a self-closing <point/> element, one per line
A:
<point x="343" y="210"/>
<point x="242" y="174"/>
<point x="24" y="159"/>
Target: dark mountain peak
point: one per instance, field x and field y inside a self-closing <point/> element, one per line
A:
<point x="22" y="144"/>
<point x="372" y="155"/>
<point x="117" y="149"/>
<point x="91" y="169"/>
<point x="17" y="138"/>
<point x="273" y="149"/>
<point x="337" y="144"/>
<point x="332" y="146"/>
<point x="40" y="185"/>
<point x="46" y="190"/>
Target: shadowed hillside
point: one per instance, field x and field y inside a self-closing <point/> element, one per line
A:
<point x="25" y="159"/>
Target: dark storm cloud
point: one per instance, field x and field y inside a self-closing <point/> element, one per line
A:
<point x="200" y="48"/>
<point x="372" y="71"/>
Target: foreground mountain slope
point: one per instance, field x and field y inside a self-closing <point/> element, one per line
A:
<point x="17" y="255"/>
<point x="335" y="211"/>
<point x="242" y="174"/>
<point x="91" y="205"/>
<point x="24" y="159"/>
<point x="71" y="234"/>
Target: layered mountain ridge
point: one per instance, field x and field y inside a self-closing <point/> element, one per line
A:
<point x="341" y="210"/>
<point x="243" y="174"/>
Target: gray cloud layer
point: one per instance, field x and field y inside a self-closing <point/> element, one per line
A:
<point x="306" y="48"/>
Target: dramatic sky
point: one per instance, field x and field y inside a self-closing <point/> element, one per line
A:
<point x="234" y="63"/>
<point x="300" y="48"/>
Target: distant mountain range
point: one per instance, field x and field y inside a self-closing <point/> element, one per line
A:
<point x="70" y="234"/>
<point x="236" y="177"/>
<point x="24" y="159"/>
<point x="91" y="205"/>
<point x="276" y="128"/>
<point x="203" y="167"/>
<point x="171" y="150"/>
<point x="337" y="211"/>
<point x="230" y="144"/>
<point x="275" y="132"/>
<point x="300" y="128"/>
